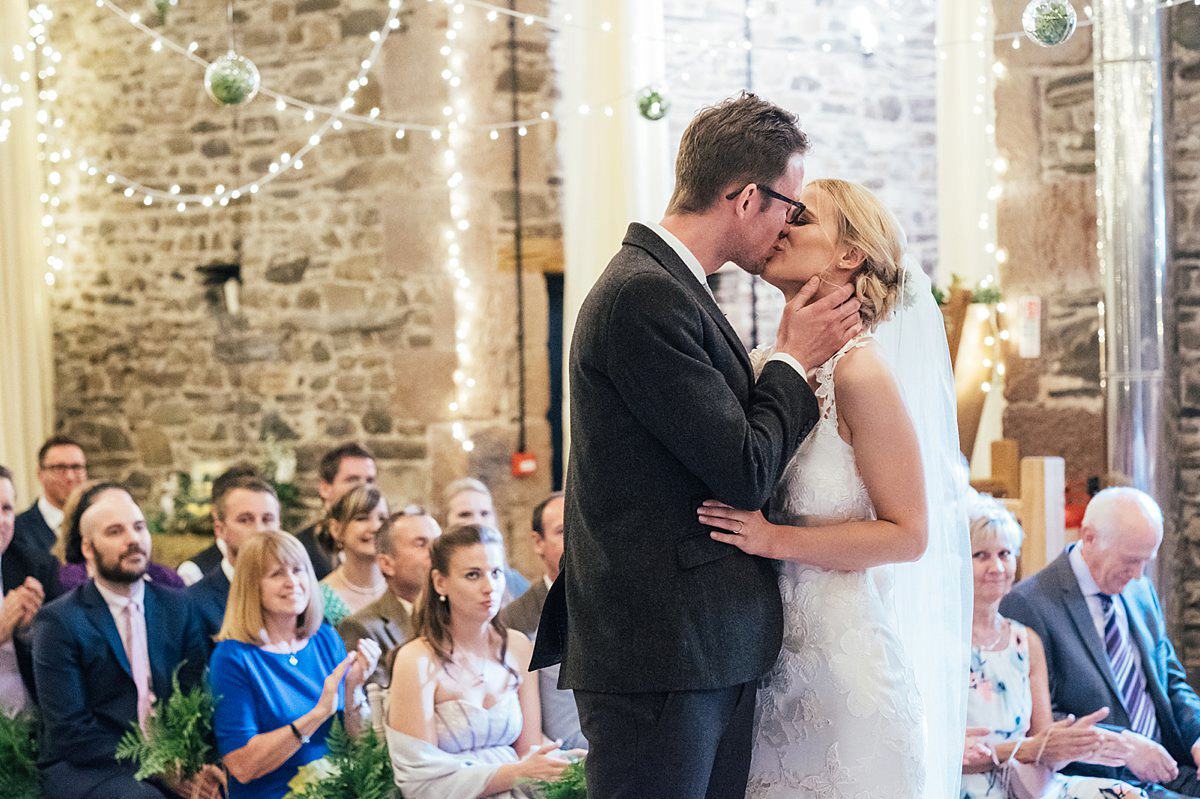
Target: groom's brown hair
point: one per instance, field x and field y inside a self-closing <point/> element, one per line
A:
<point x="741" y="140"/>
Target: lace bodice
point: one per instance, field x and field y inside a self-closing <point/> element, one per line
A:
<point x="838" y="716"/>
<point x="464" y="726"/>
<point x="821" y="482"/>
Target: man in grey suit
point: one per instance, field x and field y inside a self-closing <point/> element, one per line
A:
<point x="560" y="718"/>
<point x="662" y="631"/>
<point x="1106" y="645"/>
<point x="402" y="551"/>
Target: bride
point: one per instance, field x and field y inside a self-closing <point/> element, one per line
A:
<point x="867" y="698"/>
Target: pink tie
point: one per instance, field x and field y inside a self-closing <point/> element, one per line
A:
<point x="139" y="658"/>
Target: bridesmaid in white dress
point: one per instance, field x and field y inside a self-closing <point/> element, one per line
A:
<point x="841" y="714"/>
<point x="463" y="716"/>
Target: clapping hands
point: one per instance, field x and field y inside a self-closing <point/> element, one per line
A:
<point x="366" y="657"/>
<point x="19" y="607"/>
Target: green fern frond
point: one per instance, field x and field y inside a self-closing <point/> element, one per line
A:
<point x="179" y="738"/>
<point x="571" y="785"/>
<point x="19" y="777"/>
<point x="359" y="768"/>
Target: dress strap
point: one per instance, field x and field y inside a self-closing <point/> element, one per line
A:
<point x="824" y="375"/>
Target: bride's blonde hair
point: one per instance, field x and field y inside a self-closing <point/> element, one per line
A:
<point x="862" y="221"/>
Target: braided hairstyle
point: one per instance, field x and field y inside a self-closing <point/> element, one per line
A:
<point x="863" y="222"/>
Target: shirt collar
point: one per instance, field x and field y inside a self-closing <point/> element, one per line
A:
<point x="227" y="567"/>
<point x="117" y="602"/>
<point x="404" y="603"/>
<point x="546" y="579"/>
<point x="52" y="515"/>
<point x="1083" y="575"/>
<point x="685" y="255"/>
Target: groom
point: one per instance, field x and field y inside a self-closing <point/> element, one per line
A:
<point x="662" y="631"/>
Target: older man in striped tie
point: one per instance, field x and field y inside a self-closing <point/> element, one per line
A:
<point x="1105" y="638"/>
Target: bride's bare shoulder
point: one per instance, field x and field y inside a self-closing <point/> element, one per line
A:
<point x="863" y="374"/>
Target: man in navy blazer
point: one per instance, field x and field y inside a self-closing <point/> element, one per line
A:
<point x="61" y="467"/>
<point x="1106" y="644"/>
<point x="89" y="663"/>
<point x="244" y="506"/>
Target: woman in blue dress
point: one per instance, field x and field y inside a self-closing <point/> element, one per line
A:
<point x="279" y="675"/>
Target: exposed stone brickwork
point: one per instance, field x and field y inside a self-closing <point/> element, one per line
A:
<point x="1183" y="164"/>
<point x="1046" y="222"/>
<point x="871" y="117"/>
<point x="347" y="327"/>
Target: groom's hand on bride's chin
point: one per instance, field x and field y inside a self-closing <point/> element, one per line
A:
<point x="812" y="331"/>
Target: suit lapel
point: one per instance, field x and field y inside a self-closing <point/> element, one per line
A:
<point x="97" y="612"/>
<point x="646" y="239"/>
<point x="156" y="643"/>
<point x="1081" y="617"/>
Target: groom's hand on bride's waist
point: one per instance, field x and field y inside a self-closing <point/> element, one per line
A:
<point x="811" y="331"/>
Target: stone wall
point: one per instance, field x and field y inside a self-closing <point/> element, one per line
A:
<point x="1183" y="163"/>
<point x="1046" y="220"/>
<point x="861" y="110"/>
<point x="348" y="321"/>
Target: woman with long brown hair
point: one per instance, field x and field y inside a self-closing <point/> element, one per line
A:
<point x="464" y="719"/>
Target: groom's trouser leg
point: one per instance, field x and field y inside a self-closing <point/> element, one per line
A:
<point x="676" y="745"/>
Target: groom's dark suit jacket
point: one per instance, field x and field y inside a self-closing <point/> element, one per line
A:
<point x="665" y="413"/>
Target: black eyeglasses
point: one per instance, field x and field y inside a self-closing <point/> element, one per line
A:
<point x="794" y="213"/>
<point x="63" y="468"/>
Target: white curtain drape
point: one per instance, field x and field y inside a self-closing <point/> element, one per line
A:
<point x="26" y="367"/>
<point x="965" y="149"/>
<point x="616" y="169"/>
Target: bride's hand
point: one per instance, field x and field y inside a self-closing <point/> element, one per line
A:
<point x="747" y="530"/>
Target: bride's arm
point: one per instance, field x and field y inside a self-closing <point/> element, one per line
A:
<point x="889" y="460"/>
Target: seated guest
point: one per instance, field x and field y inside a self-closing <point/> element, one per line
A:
<point x="1105" y="641"/>
<point x="1009" y="696"/>
<point x="402" y="551"/>
<point x="463" y="720"/>
<point x="105" y="651"/>
<point x="353" y="523"/>
<point x="61" y="467"/>
<point x="29" y="576"/>
<point x="194" y="568"/>
<point x="74" y="569"/>
<point x="560" y="717"/>
<point x="245" y="505"/>
<point x="278" y="674"/>
<point x="340" y="470"/>
<point x="468" y="501"/>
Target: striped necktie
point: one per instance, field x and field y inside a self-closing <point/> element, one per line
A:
<point x="1121" y="657"/>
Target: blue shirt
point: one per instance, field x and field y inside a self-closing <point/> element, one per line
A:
<point x="258" y="691"/>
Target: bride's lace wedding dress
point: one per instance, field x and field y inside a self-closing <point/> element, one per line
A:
<point x="840" y="714"/>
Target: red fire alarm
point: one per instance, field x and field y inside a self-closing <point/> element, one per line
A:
<point x="523" y="464"/>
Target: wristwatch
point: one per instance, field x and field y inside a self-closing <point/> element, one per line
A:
<point x="303" y="739"/>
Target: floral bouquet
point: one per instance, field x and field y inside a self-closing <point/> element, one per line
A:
<point x="354" y="769"/>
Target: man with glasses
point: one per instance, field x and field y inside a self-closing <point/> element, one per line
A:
<point x="663" y="632"/>
<point x="61" y="467"/>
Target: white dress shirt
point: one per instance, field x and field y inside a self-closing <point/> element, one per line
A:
<point x="52" y="515"/>
<point x="693" y="264"/>
<point x="1091" y="595"/>
<point x="13" y="696"/>
<point x="190" y="573"/>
